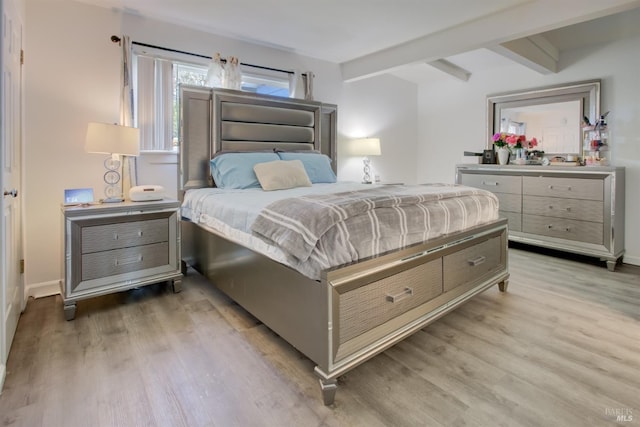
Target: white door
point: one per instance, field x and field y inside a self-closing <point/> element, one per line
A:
<point x="11" y="287"/>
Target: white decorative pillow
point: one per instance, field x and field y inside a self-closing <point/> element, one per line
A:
<point x="281" y="174"/>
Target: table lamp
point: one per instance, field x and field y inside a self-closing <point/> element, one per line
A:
<point x="366" y="147"/>
<point x="114" y="140"/>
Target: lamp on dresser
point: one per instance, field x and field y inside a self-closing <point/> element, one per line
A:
<point x="366" y="147"/>
<point x="114" y="140"/>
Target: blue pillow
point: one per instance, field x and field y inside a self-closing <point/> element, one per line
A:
<point x="318" y="166"/>
<point x="235" y="170"/>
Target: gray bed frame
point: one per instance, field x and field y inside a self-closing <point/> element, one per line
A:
<point x="355" y="311"/>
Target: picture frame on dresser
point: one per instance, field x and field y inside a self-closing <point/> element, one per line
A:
<point x="571" y="209"/>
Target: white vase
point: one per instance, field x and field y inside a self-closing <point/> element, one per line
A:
<point x="503" y="155"/>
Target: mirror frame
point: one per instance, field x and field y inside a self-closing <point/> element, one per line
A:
<point x="587" y="92"/>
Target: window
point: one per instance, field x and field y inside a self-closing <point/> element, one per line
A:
<point x="157" y="79"/>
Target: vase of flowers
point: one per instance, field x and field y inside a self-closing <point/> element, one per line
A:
<point x="502" y="150"/>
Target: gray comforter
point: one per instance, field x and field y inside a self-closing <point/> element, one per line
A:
<point x="335" y="229"/>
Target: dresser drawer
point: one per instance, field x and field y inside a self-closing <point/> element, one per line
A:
<point x="574" y="188"/>
<point x="120" y="261"/>
<point x="584" y="210"/>
<point x="471" y="263"/>
<point x="510" y="202"/>
<point x="579" y="231"/>
<point x="375" y="303"/>
<point x="494" y="183"/>
<point x="124" y="234"/>
<point x="514" y="218"/>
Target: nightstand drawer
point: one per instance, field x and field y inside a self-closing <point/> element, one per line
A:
<point x="124" y="234"/>
<point x="126" y="260"/>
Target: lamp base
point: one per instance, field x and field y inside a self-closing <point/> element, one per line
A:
<point x="113" y="200"/>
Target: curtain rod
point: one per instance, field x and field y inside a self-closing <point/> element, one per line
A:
<point x="116" y="39"/>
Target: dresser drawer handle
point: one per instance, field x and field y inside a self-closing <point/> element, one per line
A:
<point x="560" y="187"/>
<point x="492" y="183"/>
<point x="551" y="227"/>
<point x="561" y="209"/>
<point x="132" y="260"/>
<point x="477" y="261"/>
<point x="402" y="295"/>
<point x="117" y="236"/>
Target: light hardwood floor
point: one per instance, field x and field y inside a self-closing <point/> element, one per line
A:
<point x="560" y="348"/>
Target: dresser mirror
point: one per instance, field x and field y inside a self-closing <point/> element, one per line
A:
<point x="553" y="115"/>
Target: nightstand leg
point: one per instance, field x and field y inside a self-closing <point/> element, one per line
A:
<point x="70" y="311"/>
<point x="611" y="265"/>
<point x="176" y="284"/>
<point x="503" y="285"/>
<point x="328" y="388"/>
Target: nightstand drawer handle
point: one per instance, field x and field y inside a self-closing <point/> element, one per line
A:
<point x="117" y="236"/>
<point x="559" y="187"/>
<point x="132" y="260"/>
<point x="492" y="183"/>
<point x="560" y="209"/>
<point x="551" y="227"/>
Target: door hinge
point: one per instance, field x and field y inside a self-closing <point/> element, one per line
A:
<point x="21" y="266"/>
<point x="21" y="56"/>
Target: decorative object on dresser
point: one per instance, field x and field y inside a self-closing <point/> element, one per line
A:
<point x="114" y="140"/>
<point x="366" y="147"/>
<point x="573" y="209"/>
<point x="114" y="247"/>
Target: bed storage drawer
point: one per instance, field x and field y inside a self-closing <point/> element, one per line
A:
<point x="124" y="234"/>
<point x="573" y="188"/>
<point x="375" y="303"/>
<point x="472" y="263"/>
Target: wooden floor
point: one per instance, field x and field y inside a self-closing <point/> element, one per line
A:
<point x="560" y="348"/>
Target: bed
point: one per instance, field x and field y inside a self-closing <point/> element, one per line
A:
<point x="336" y="315"/>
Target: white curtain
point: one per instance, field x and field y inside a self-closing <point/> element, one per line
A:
<point x="129" y="166"/>
<point x="155" y="103"/>
<point x="301" y="85"/>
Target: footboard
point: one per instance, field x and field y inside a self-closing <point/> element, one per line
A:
<point x="359" y="310"/>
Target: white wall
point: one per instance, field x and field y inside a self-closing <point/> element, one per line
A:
<point x="452" y="115"/>
<point x="72" y="76"/>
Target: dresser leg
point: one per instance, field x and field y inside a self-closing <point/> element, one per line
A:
<point x="70" y="311"/>
<point x="176" y="285"/>
<point x="503" y="285"/>
<point x="611" y="265"/>
<point x="329" y="388"/>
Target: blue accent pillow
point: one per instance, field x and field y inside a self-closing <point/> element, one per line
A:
<point x="317" y="165"/>
<point x="235" y="170"/>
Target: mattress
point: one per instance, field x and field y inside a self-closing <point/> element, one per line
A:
<point x="383" y="218"/>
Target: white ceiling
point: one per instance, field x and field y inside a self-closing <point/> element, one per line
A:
<point x="369" y="37"/>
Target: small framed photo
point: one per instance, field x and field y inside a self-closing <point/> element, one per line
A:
<point x="78" y="196"/>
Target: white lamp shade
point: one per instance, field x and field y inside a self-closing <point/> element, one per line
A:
<point x="366" y="147"/>
<point x="112" y="139"/>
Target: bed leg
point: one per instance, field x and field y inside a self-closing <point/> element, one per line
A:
<point x="328" y="388"/>
<point x="503" y="285"/>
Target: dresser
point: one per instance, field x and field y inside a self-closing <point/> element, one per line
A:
<point x="568" y="208"/>
<point x="113" y="247"/>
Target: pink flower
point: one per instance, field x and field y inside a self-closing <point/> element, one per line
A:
<point x="512" y="140"/>
<point x="533" y="143"/>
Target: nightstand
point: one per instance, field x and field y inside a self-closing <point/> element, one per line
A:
<point x="113" y="247"/>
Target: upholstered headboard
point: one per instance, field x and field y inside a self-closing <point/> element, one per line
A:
<point x="214" y="120"/>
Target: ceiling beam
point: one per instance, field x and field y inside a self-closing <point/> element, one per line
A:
<point x="534" y="52"/>
<point x="451" y="69"/>
<point x="525" y="20"/>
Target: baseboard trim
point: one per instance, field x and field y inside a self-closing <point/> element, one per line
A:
<point x="41" y="290"/>
<point x="631" y="260"/>
<point x="3" y="374"/>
